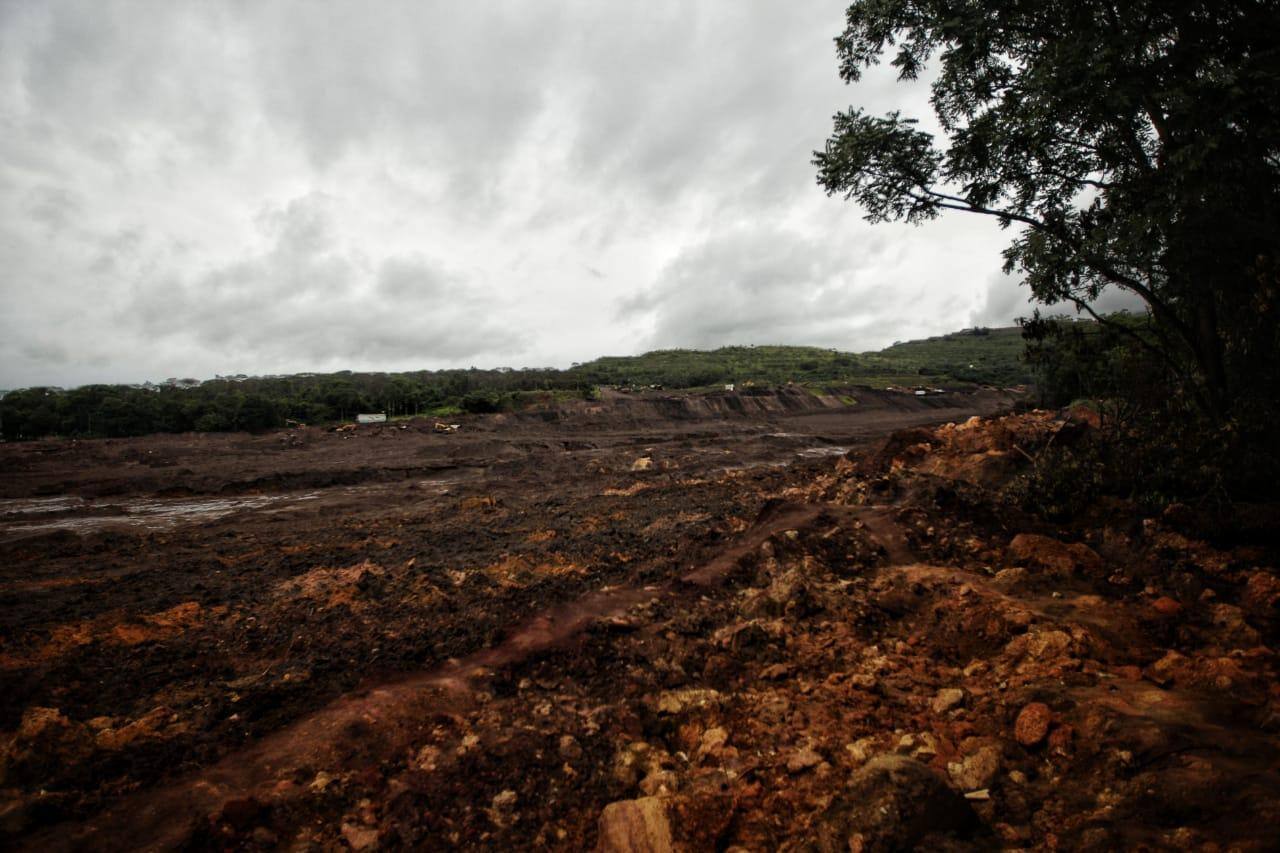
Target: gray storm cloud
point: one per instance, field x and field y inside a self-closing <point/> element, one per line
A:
<point x="1007" y="301"/>
<point x="194" y="188"/>
<point x="755" y="285"/>
<point x="307" y="295"/>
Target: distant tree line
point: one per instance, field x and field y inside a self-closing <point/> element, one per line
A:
<point x="261" y="403"/>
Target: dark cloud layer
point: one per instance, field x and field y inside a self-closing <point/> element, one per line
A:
<point x="1008" y="300"/>
<point x="195" y="188"/>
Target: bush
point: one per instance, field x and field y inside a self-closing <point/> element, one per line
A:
<point x="482" y="402"/>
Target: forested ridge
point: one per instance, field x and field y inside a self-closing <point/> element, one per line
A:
<point x="973" y="356"/>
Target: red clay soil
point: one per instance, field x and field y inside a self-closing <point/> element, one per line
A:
<point x="644" y="624"/>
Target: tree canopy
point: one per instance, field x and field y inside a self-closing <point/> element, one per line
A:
<point x="1129" y="144"/>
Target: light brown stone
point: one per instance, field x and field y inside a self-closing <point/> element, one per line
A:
<point x="635" y="826"/>
<point x="1032" y="724"/>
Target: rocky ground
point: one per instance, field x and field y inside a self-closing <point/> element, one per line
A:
<point x="869" y="651"/>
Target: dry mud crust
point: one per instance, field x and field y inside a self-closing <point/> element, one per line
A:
<point x="171" y="602"/>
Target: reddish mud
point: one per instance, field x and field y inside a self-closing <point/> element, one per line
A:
<point x="171" y="600"/>
<point x="736" y="644"/>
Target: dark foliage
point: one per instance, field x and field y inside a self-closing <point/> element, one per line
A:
<point x="257" y="403"/>
<point x="1132" y="145"/>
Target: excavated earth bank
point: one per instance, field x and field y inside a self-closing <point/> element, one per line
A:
<point x="729" y="622"/>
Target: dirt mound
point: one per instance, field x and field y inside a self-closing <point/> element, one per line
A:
<point x="758" y="403"/>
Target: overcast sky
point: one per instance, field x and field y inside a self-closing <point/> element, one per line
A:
<point x="190" y="189"/>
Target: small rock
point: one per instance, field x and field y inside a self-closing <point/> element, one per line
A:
<point x="1262" y="592"/>
<point x="241" y="812"/>
<point x="1060" y="740"/>
<point x="644" y="463"/>
<point x="976" y="771"/>
<point x="802" y="760"/>
<point x="1167" y="668"/>
<point x="947" y="698"/>
<point x="926" y="746"/>
<point x="892" y="803"/>
<point x="635" y="826"/>
<point x="1048" y="645"/>
<point x="659" y="782"/>
<point x="360" y="837"/>
<point x="1232" y="629"/>
<point x="679" y="701"/>
<point x="776" y="670"/>
<point x="501" y="807"/>
<point x="1032" y="724"/>
<point x="713" y="741"/>
<point x="321" y="782"/>
<point x="265" y="837"/>
<point x="1166" y="606"/>
<point x="1057" y="557"/>
<point x="861" y="749"/>
<point x="630" y="763"/>
<point x="570" y="750"/>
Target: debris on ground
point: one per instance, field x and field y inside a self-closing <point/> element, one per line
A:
<point x="868" y="651"/>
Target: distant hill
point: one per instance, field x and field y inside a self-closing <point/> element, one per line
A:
<point x="973" y="356"/>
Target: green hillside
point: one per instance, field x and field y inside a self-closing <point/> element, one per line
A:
<point x="263" y="402"/>
<point x="973" y="356"/>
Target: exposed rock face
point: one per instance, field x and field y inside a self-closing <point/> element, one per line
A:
<point x="893" y="803"/>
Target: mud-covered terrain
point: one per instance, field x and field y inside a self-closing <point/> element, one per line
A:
<point x="733" y="621"/>
<point x="169" y="600"/>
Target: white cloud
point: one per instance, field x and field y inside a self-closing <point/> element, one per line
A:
<point x="193" y="188"/>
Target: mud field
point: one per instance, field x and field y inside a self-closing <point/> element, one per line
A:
<point x="726" y="621"/>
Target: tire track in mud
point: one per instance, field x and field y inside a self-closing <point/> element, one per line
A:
<point x="364" y="726"/>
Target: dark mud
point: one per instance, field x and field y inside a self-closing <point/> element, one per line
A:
<point x="700" y="635"/>
<point x="174" y="602"/>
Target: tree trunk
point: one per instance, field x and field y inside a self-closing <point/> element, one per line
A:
<point x="1210" y="361"/>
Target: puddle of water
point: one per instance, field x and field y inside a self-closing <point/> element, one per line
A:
<point x="153" y="514"/>
<point x="750" y="466"/>
<point x="440" y="485"/>
<point x="39" y="506"/>
<point x="819" y="452"/>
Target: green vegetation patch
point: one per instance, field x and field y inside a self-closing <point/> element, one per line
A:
<point x="974" y="356"/>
